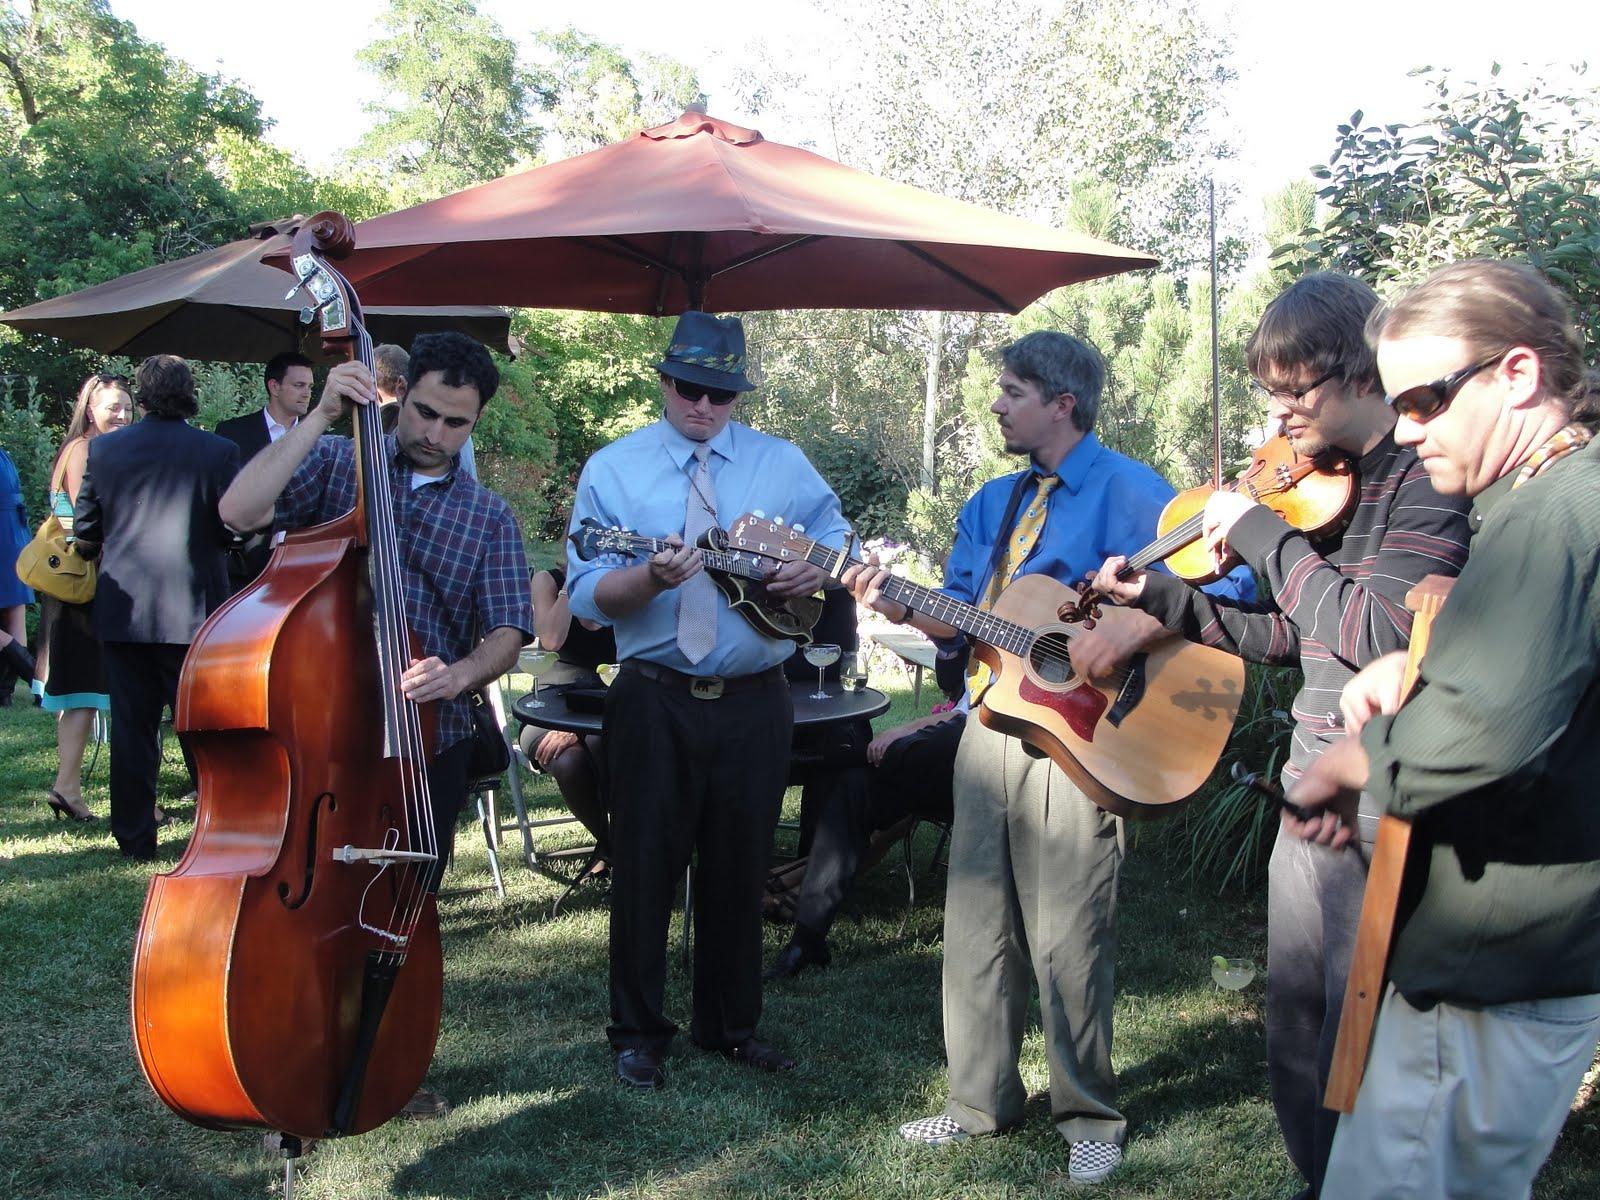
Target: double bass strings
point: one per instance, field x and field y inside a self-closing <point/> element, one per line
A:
<point x="404" y="718"/>
<point x="411" y="897"/>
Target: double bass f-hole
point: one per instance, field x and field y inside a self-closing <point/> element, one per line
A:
<point x="313" y="820"/>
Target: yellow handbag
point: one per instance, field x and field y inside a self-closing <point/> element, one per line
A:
<point x="50" y="565"/>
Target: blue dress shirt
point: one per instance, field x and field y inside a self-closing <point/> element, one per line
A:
<point x="1107" y="504"/>
<point x="641" y="483"/>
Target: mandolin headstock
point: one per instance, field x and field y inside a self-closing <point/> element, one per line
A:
<point x="592" y="539"/>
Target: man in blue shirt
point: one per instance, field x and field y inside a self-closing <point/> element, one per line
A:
<point x="697" y="723"/>
<point x="1033" y="862"/>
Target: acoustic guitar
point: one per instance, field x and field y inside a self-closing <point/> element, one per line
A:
<point x="740" y="576"/>
<point x="1137" y="744"/>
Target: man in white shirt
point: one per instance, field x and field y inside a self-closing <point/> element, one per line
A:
<point x="288" y="381"/>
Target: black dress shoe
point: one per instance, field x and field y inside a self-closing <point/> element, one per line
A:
<point x="641" y="1068"/>
<point x="796" y="957"/>
<point x="753" y="1052"/>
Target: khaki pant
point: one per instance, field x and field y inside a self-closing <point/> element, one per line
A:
<point x="1461" y="1102"/>
<point x="1032" y="891"/>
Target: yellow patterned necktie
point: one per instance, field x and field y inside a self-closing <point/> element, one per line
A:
<point x="1023" y="537"/>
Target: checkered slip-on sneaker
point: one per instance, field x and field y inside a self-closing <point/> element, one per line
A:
<point x="934" y="1131"/>
<point x="1090" y="1162"/>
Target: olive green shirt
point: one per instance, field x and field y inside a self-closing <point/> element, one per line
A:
<point x="1496" y="758"/>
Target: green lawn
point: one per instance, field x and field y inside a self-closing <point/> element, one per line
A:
<point x="522" y="1052"/>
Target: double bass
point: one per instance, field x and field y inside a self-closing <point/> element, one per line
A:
<point x="287" y="972"/>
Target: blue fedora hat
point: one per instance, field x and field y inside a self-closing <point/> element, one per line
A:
<point x="709" y="351"/>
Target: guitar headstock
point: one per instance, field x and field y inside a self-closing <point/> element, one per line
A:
<point x="754" y="534"/>
<point x="328" y="235"/>
<point x="592" y="538"/>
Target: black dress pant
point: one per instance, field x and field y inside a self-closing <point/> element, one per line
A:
<point x="703" y="777"/>
<point x="447" y="792"/>
<point x="849" y="804"/>
<point x="143" y="680"/>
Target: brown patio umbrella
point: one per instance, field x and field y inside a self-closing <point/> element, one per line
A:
<point x="224" y="305"/>
<point x="703" y="212"/>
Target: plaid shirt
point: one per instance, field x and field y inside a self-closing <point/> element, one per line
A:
<point x="460" y="553"/>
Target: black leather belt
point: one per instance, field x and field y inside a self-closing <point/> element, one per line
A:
<point x="704" y="687"/>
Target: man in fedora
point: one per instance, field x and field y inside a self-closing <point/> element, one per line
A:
<point x="697" y="722"/>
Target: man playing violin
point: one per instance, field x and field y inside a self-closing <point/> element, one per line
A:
<point x="1033" y="862"/>
<point x="698" y="720"/>
<point x="1333" y="606"/>
<point x="1493" y="1008"/>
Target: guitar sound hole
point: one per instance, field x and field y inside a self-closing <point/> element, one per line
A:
<point x="1049" y="660"/>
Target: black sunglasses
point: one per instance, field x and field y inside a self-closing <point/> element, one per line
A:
<point x="691" y="392"/>
<point x="1427" y="400"/>
<point x="1295" y="394"/>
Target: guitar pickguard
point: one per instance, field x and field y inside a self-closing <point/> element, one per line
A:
<point x="1080" y="707"/>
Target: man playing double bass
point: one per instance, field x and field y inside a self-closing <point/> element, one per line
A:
<point x="1335" y="605"/>
<point x="465" y="572"/>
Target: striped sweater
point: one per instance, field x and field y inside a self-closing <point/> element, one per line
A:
<point x="1333" y="606"/>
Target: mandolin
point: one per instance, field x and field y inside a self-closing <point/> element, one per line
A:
<point x="1380" y="903"/>
<point x="1137" y="744"/>
<point x="740" y="576"/>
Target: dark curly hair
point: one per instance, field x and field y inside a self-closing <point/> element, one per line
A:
<point x="458" y="358"/>
<point x="164" y="387"/>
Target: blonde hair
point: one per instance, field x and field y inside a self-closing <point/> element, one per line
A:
<point x="78" y="423"/>
<point x="1493" y="306"/>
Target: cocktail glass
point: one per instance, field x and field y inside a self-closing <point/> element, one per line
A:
<point x="821" y="655"/>
<point x="535" y="661"/>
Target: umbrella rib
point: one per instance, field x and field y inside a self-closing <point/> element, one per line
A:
<point x="758" y="255"/>
<point x="624" y="249"/>
<point x="993" y="297"/>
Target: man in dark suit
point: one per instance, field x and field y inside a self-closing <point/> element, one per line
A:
<point x="288" y="381"/>
<point x="147" y="508"/>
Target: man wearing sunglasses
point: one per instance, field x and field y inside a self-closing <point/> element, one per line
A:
<point x="698" y="720"/>
<point x="1334" y="605"/>
<point x="1491" y="1012"/>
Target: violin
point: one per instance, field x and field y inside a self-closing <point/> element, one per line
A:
<point x="1315" y="495"/>
<point x="287" y="972"/>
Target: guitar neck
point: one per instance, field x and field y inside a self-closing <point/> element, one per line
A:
<point x="715" y="560"/>
<point x="969" y="619"/>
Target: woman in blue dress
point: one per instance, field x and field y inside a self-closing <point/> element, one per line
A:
<point x="71" y="678"/>
<point x="15" y="596"/>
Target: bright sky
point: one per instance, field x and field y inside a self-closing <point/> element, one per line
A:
<point x="1302" y="68"/>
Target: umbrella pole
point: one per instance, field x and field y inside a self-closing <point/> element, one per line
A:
<point x="1216" y="364"/>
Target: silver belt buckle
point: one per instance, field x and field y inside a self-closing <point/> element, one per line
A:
<point x="706" y="687"/>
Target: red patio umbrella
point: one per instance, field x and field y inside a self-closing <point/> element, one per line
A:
<point x="223" y="305"/>
<point x="701" y="211"/>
